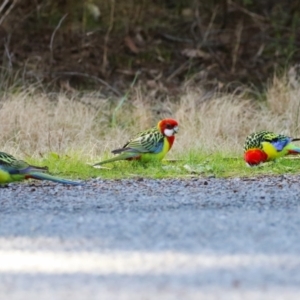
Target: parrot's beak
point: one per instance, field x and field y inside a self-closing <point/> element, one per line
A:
<point x="176" y="129"/>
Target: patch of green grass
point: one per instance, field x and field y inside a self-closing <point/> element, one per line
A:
<point x="186" y="166"/>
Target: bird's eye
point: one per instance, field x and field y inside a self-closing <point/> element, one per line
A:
<point x="169" y="126"/>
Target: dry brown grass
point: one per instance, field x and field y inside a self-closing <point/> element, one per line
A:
<point x="34" y="123"/>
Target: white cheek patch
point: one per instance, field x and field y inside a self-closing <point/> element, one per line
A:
<point x="169" y="132"/>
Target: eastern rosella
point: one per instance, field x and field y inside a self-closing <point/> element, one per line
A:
<point x="267" y="146"/>
<point x="149" y="145"/>
<point x="12" y="170"/>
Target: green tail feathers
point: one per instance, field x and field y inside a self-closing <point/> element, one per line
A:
<point x="44" y="176"/>
<point x="123" y="156"/>
<point x="106" y="161"/>
<point x="292" y="149"/>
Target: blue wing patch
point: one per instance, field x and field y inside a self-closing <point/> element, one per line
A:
<point x="158" y="147"/>
<point x="279" y="144"/>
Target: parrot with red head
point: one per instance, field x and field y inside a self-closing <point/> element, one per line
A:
<point x="266" y="146"/>
<point x="149" y="145"/>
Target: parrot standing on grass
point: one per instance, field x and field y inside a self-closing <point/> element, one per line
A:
<point x="12" y="170"/>
<point x="266" y="146"/>
<point x="149" y="145"/>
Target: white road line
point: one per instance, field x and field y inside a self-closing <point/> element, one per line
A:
<point x="122" y="262"/>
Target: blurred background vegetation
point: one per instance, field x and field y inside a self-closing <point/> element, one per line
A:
<point x="164" y="44"/>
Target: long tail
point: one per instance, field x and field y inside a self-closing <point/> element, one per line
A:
<point x="123" y="156"/>
<point x="44" y="176"/>
<point x="31" y="168"/>
<point x="292" y="149"/>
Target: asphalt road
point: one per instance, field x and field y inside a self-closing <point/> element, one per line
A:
<point x="151" y="239"/>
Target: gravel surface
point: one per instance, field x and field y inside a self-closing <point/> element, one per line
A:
<point x="151" y="239"/>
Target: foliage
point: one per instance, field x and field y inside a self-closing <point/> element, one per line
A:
<point x="93" y="43"/>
